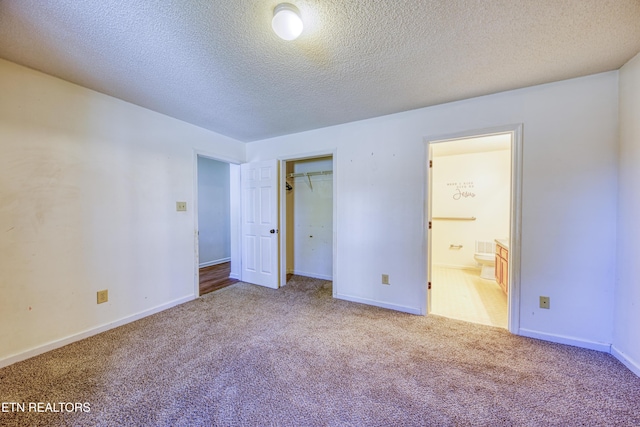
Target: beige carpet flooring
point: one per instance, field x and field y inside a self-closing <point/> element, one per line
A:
<point x="464" y="295"/>
<point x="252" y="356"/>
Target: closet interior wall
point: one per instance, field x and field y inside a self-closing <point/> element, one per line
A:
<point x="309" y="216"/>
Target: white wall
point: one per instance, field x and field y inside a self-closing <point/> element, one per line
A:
<point x="469" y="185"/>
<point x="214" y="209"/>
<point x="88" y="186"/>
<point x="88" y="191"/>
<point x="309" y="220"/>
<point x="626" y="340"/>
<point x="569" y="201"/>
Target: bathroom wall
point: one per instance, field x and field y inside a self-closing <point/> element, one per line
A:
<point x="309" y="220"/>
<point x="468" y="185"/>
<point x="214" y="210"/>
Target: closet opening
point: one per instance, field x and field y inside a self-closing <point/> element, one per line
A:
<point x="307" y="211"/>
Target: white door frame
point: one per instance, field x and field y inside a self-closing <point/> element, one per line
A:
<point x="515" y="227"/>
<point x="283" y="212"/>
<point x="234" y="190"/>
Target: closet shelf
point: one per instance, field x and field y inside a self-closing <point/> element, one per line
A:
<point x="296" y="175"/>
<point x="309" y="175"/>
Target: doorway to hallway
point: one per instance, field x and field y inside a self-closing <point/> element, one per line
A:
<point x="216" y="211"/>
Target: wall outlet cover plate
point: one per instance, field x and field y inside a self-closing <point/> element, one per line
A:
<point x="544" y="302"/>
<point x="103" y="296"/>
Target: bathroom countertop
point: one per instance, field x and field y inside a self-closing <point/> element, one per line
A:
<point x="503" y="242"/>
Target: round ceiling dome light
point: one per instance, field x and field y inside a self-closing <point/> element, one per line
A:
<point x="286" y="21"/>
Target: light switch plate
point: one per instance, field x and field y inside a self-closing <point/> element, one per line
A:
<point x="181" y="206"/>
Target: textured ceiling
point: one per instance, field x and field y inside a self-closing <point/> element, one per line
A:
<point x="217" y="64"/>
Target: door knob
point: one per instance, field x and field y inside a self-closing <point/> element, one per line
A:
<point x="272" y="231"/>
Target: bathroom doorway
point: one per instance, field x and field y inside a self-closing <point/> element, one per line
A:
<point x="473" y="228"/>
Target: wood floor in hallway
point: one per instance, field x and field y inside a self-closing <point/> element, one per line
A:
<point x="215" y="277"/>
<point x="464" y="295"/>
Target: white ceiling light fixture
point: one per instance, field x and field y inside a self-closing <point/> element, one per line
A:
<point x="286" y="21"/>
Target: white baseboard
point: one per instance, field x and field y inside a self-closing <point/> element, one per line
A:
<point x="313" y="275"/>
<point x="52" y="345"/>
<point x="626" y="361"/>
<point x="410" y="310"/>
<point x="234" y="276"/>
<point x="214" y="262"/>
<point x="562" y="339"/>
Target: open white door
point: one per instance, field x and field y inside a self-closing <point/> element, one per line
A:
<point x="429" y="188"/>
<point x="260" y="256"/>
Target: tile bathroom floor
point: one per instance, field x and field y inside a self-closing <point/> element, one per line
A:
<point x="463" y="295"/>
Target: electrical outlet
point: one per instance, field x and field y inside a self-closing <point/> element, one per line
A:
<point x="385" y="279"/>
<point x="181" y="206"/>
<point x="544" y="302"/>
<point x="103" y="296"/>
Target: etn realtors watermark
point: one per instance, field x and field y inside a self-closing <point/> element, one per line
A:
<point x="45" y="407"/>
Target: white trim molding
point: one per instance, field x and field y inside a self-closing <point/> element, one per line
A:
<point x="563" y="339"/>
<point x="625" y="360"/>
<point x="375" y="303"/>
<point x="312" y="275"/>
<point x="52" y="345"/>
<point x="215" y="262"/>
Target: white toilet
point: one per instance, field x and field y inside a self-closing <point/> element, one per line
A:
<point x="486" y="256"/>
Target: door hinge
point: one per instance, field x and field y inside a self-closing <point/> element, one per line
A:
<point x="430" y="163"/>
<point x="429" y="225"/>
<point x="429" y="285"/>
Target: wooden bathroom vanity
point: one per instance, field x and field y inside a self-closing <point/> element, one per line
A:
<point x="502" y="264"/>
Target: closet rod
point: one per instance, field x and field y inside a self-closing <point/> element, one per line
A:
<point x="455" y="218"/>
<point x="295" y="175"/>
